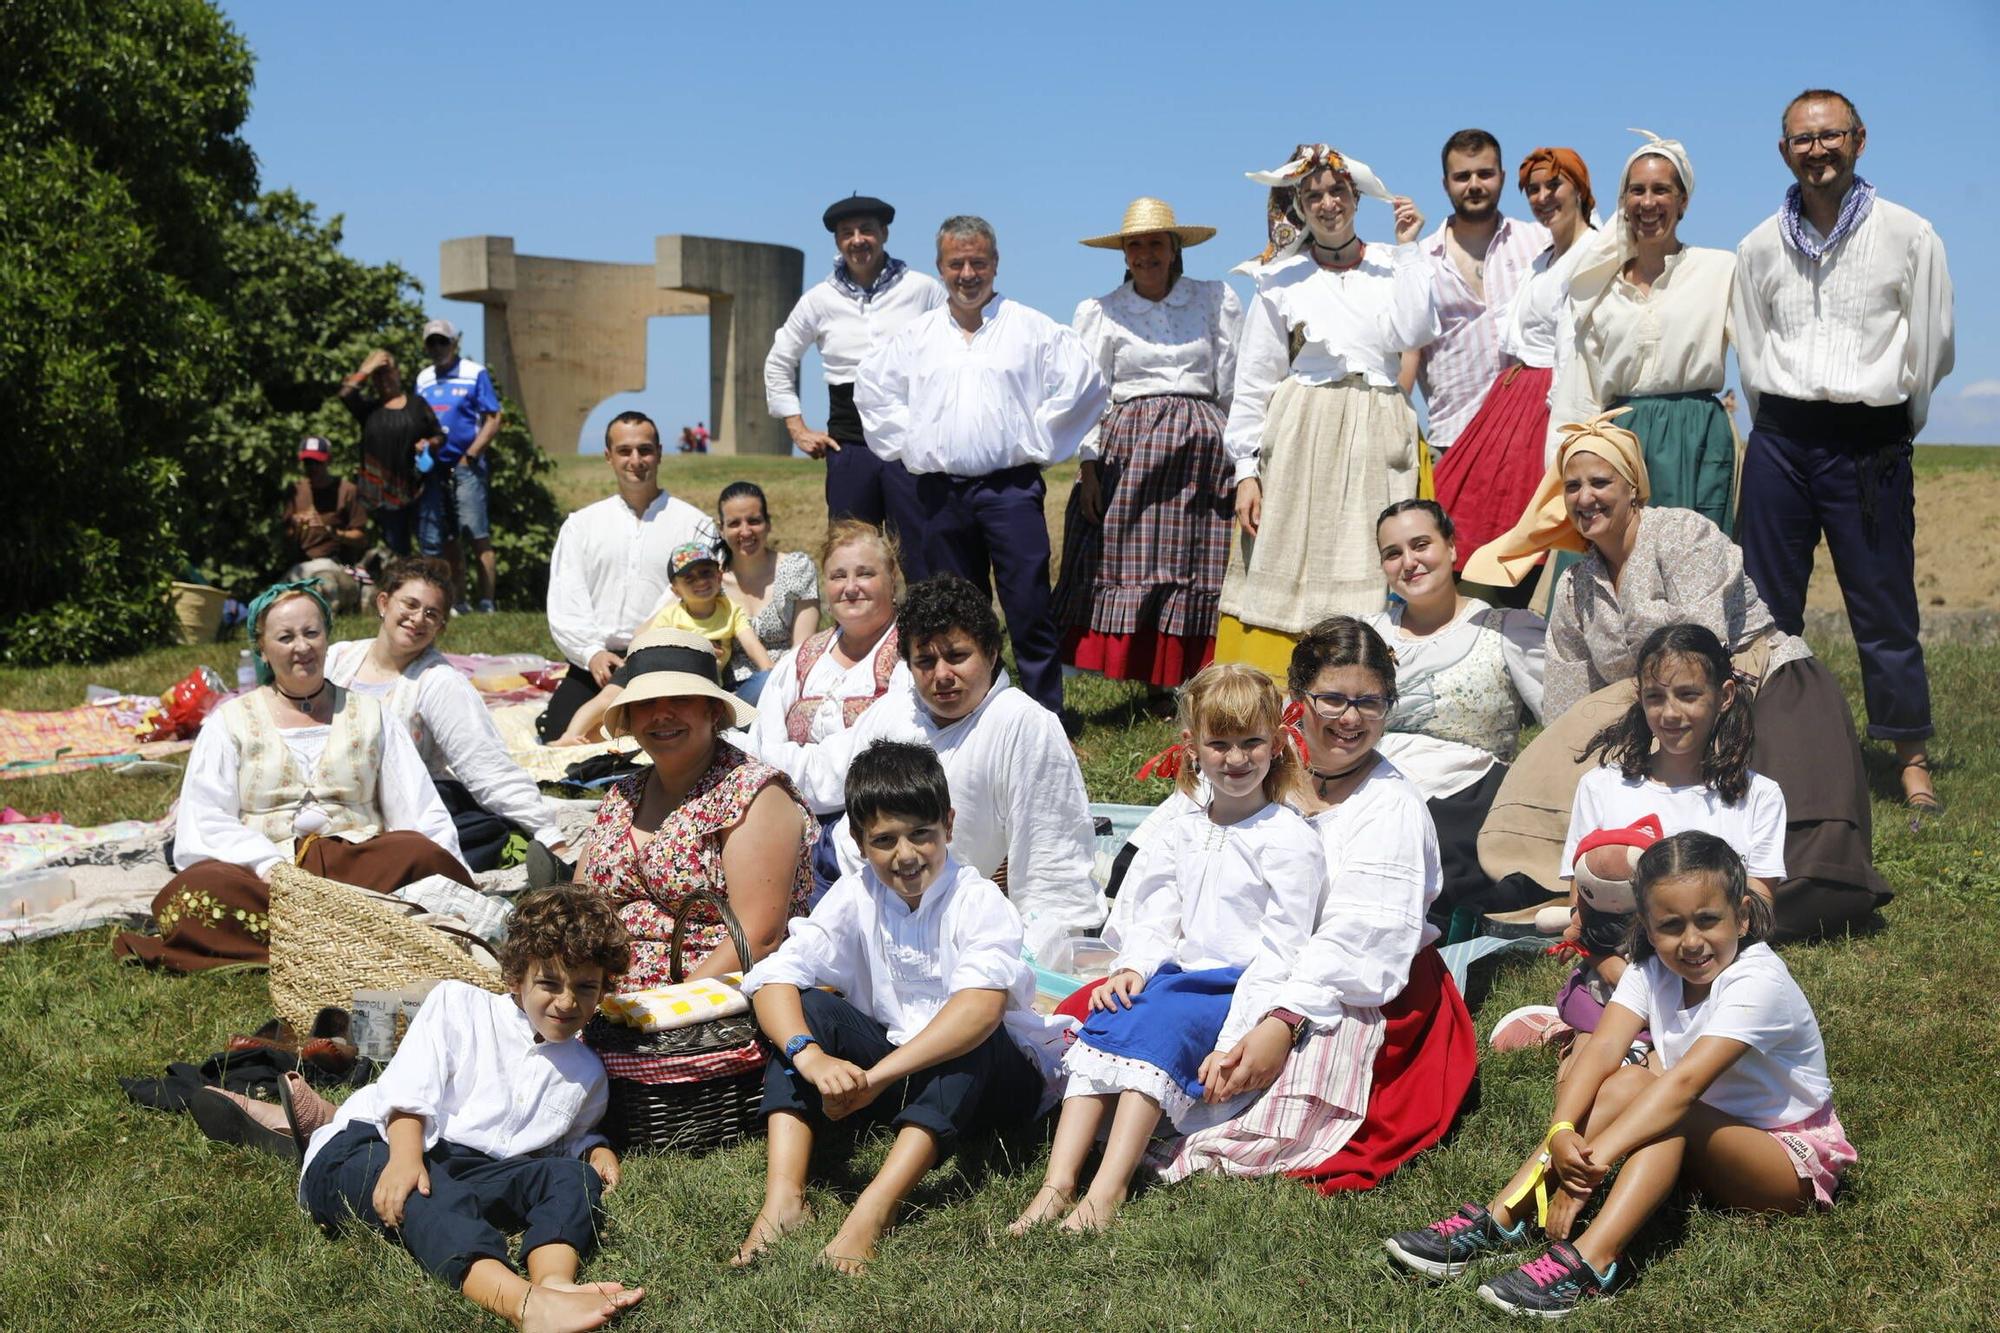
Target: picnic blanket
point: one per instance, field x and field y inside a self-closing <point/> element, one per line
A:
<point x="114" y="871"/>
<point x="106" y="731"/>
<point x="541" y="762"/>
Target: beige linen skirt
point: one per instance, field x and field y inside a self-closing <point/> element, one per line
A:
<point x="1333" y="457"/>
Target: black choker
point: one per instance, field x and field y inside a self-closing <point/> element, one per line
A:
<point x="302" y="702"/>
<point x="1334" y="250"/>
<point x="1359" y="764"/>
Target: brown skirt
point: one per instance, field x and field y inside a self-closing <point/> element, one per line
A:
<point x="213" y="913"/>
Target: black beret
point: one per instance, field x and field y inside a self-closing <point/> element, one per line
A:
<point x="857" y="206"/>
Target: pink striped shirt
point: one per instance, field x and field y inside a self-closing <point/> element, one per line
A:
<point x="1461" y="364"/>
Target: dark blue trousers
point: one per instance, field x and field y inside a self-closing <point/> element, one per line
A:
<point x="475" y="1201"/>
<point x="860" y="485"/>
<point x="994" y="527"/>
<point x="1842" y="470"/>
<point x="991" y="1085"/>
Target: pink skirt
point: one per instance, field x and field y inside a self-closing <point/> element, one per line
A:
<point x="1819" y="1150"/>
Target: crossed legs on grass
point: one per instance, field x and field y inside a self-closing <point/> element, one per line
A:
<point x="1134" y="1117"/>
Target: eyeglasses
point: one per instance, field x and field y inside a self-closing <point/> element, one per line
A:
<point x="1332" y="706"/>
<point x="411" y="607"/>
<point x="1802" y="143"/>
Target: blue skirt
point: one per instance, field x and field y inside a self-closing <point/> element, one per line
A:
<point x="1171" y="1026"/>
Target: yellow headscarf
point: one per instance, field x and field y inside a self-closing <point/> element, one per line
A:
<point x="1545" y="524"/>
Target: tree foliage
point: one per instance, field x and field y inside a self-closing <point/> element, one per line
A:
<point x="167" y="334"/>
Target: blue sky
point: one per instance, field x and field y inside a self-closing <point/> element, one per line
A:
<point x="584" y="131"/>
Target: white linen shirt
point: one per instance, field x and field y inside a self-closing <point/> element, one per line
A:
<point x="1022" y="390"/>
<point x="1782" y="1079"/>
<point x="769" y="736"/>
<point x="1183" y="343"/>
<point x="1459" y="367"/>
<point x="1870" y="323"/>
<point x="609" y="571"/>
<point x="474" y="1071"/>
<point x="1382" y="875"/>
<point x="1356" y="322"/>
<point x="899" y="965"/>
<point x="1017" y="797"/>
<point x="1673" y="339"/>
<point x="455" y="734"/>
<point x="1533" y="331"/>
<point x="845" y="327"/>
<point x="1212" y="895"/>
<point x="210" y="827"/>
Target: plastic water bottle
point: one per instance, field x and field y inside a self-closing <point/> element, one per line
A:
<point x="246" y="671"/>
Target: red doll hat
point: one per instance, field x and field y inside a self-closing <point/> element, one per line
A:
<point x="1613" y="895"/>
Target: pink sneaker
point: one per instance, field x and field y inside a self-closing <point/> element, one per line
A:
<point x="1530" y="1025"/>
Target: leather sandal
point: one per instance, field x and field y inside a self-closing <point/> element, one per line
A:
<point x="305" y="1109"/>
<point x="1922" y="802"/>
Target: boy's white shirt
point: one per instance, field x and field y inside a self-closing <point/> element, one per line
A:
<point x="899" y="965"/>
<point x="472" y="1069"/>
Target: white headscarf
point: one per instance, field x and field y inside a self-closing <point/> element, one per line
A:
<point x="1285" y="224"/>
<point x="1607" y="248"/>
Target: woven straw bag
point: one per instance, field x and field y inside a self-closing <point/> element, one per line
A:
<point x="330" y="939"/>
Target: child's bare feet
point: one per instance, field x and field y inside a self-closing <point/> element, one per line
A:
<point x="1092" y="1214"/>
<point x="774" y="1221"/>
<point x="852" y="1248"/>
<point x="560" y="1307"/>
<point x="1046" y="1206"/>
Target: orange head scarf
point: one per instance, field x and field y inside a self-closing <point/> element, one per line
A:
<point x="1565" y="163"/>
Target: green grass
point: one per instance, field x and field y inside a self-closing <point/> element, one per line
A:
<point x="115" y="1217"/>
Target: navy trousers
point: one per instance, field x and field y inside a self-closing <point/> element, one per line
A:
<point x="994" y="526"/>
<point x="991" y="1085"/>
<point x="860" y="485"/>
<point x="1842" y="469"/>
<point x="475" y="1200"/>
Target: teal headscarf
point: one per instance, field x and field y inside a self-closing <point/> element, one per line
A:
<point x="269" y="598"/>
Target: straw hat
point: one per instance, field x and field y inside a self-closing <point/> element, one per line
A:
<point x="1145" y="215"/>
<point x="671" y="664"/>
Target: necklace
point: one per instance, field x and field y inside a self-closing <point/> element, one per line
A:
<point x="1321" y="779"/>
<point x="302" y="702"/>
<point x="1334" y="251"/>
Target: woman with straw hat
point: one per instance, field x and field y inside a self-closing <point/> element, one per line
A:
<point x="703" y="816"/>
<point x="1146" y="538"/>
<point x="1320" y="434"/>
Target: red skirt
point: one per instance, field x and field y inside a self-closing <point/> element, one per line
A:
<point x="1486" y="479"/>
<point x="1149" y="655"/>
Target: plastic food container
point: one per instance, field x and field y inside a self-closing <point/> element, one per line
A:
<point x="33" y="892"/>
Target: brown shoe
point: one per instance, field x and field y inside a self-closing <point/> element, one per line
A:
<point x="230" y="1117"/>
<point x="305" y="1111"/>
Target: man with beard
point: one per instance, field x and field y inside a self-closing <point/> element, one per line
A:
<point x="1478" y="258"/>
<point x="860" y="305"/>
<point x="1843" y="315"/>
<point x="975" y="398"/>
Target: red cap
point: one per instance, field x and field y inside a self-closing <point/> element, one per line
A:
<point x="316" y="447"/>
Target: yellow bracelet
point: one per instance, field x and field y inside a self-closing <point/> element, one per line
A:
<point x="1538" y="1179"/>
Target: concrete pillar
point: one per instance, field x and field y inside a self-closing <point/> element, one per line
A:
<point x="751" y="288"/>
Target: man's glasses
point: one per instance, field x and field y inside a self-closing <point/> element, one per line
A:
<point x="1332" y="706"/>
<point x="1803" y="143"/>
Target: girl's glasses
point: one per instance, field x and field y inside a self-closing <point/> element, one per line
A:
<point x="1332" y="706"/>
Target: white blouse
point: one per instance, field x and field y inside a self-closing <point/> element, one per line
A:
<point x="1183" y="343"/>
<point x="1536" y="321"/>
<point x="474" y="1071"/>
<point x="1382" y="874"/>
<point x="769" y="737"/>
<point x="1624" y="343"/>
<point x="1358" y="321"/>
<point x="1459" y="693"/>
<point x="1870" y="323"/>
<point x="900" y="965"/>
<point x="454" y="732"/>
<point x="210" y="827"/>
<point x="1212" y="895"/>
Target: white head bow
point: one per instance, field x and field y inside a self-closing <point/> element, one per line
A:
<point x="1284" y="223"/>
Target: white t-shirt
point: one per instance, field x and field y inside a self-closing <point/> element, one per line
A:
<point x="1782" y="1078"/>
<point x="1755" y="827"/>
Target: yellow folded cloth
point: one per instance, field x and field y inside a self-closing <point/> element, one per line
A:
<point x="664" y="1008"/>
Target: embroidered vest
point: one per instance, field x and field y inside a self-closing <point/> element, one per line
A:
<point x="798" y="718"/>
<point x="1471" y="701"/>
<point x="270" y="785"/>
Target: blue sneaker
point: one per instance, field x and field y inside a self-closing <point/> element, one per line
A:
<point x="1447" y="1248"/>
<point x="1552" y="1286"/>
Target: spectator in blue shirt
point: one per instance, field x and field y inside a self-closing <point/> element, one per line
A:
<point x="454" y="494"/>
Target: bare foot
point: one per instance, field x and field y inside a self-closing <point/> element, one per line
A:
<point x="852" y="1248"/>
<point x="772" y="1223"/>
<point x="560" y="1307"/>
<point x="1048" y="1203"/>
<point x="1092" y="1214"/>
<point x="565" y="742"/>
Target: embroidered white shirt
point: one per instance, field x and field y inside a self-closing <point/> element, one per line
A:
<point x="1459" y="367"/>
<point x="609" y="571"/>
<point x="1021" y="390"/>
<point x="1870" y="323"/>
<point x="1438" y="691"/>
<point x="473" y="1070"/>
<point x="768" y="736"/>
<point x="1183" y="343"/>
<point x="845" y="327"/>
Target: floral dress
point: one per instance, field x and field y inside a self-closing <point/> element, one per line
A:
<point x="648" y="885"/>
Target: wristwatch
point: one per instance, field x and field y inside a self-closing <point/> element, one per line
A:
<point x="1292" y="1019"/>
<point x="797" y="1044"/>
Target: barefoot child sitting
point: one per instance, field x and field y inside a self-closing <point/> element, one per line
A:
<point x="700" y="607"/>
<point x="1224" y="878"/>
<point x="1740" y="1107"/>
<point x="931" y="1030"/>
<point x="485" y="1122"/>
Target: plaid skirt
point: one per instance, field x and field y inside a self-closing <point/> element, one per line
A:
<point x="1157" y="559"/>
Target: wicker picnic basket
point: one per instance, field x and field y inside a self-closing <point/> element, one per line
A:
<point x="690" y="1089"/>
<point x="330" y="939"/>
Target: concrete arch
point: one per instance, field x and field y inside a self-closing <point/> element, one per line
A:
<point x="563" y="335"/>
